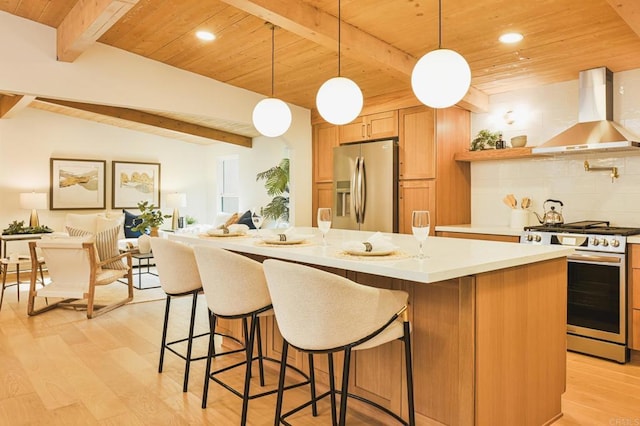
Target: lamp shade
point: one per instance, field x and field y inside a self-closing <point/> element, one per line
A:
<point x="33" y="200"/>
<point x="177" y="199"/>
<point x="441" y="78"/>
<point x="339" y="100"/>
<point x="272" y="117"/>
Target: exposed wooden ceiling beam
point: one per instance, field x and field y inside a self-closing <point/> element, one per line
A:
<point x="629" y="10"/>
<point x="320" y="27"/>
<point x="11" y="105"/>
<point x="85" y="23"/>
<point x="156" y="121"/>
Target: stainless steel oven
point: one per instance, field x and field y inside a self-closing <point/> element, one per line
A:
<point x="596" y="304"/>
<point x="596" y="286"/>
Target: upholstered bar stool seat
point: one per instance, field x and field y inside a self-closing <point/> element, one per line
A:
<point x="322" y="313"/>
<point x="235" y="288"/>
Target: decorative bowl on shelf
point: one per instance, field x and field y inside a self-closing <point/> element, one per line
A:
<point x="519" y="141"/>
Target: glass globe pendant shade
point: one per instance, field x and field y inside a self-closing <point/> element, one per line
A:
<point x="339" y="100"/>
<point x="441" y="78"/>
<point x="271" y="117"/>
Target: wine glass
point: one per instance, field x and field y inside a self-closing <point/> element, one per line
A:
<point x="257" y="219"/>
<point x="420" y="225"/>
<point x="324" y="222"/>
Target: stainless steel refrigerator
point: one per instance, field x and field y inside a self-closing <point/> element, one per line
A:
<point x="365" y="187"/>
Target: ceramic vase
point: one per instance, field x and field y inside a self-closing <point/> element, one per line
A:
<point x="144" y="244"/>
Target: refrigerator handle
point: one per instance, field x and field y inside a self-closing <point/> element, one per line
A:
<point x="362" y="183"/>
<point x="354" y="192"/>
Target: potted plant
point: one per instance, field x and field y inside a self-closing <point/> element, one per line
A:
<point x="484" y="139"/>
<point x="16" y="227"/>
<point x="277" y="186"/>
<point x="150" y="218"/>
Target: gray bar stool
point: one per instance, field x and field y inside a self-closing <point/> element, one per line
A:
<point x="322" y="313"/>
<point x="235" y="288"/>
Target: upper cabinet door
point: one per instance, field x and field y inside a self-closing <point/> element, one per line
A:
<point x="417" y="143"/>
<point x="370" y="127"/>
<point x="325" y="138"/>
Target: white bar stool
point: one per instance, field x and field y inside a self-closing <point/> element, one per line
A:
<point x="235" y="288"/>
<point x="322" y="313"/>
<point x="21" y="260"/>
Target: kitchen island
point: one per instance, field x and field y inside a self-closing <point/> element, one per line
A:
<point x="488" y="324"/>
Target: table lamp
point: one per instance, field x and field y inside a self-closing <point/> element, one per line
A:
<point x="33" y="201"/>
<point x="176" y="200"/>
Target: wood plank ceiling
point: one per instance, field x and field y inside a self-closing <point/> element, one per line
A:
<point x="381" y="40"/>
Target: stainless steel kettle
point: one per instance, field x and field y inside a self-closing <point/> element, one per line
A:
<point x="551" y="216"/>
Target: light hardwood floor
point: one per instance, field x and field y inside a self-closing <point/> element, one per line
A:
<point x="59" y="368"/>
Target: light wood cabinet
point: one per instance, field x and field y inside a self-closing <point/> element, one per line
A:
<point x="325" y="138"/>
<point x="484" y="237"/>
<point x="370" y="127"/>
<point x="417" y="144"/>
<point x="322" y="197"/>
<point x="415" y="195"/>
<point x="634" y="297"/>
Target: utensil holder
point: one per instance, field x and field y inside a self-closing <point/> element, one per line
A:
<point x="519" y="219"/>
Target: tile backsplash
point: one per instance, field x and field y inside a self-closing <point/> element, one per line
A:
<point x="541" y="113"/>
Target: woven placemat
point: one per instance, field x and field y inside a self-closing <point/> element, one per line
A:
<point x="398" y="254"/>
<point x="263" y="243"/>
<point x="216" y="237"/>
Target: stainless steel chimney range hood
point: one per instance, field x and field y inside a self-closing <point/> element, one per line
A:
<point x="595" y="130"/>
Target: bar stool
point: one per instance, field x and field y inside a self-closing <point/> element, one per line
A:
<point x="179" y="276"/>
<point x="235" y="288"/>
<point x="4" y="268"/>
<point x="319" y="312"/>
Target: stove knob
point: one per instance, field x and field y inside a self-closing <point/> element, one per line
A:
<point x="595" y="242"/>
<point x="605" y="243"/>
<point x="615" y="243"/>
<point x="529" y="237"/>
<point x="538" y="238"/>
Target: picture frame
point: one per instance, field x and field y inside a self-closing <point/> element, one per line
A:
<point x="77" y="184"/>
<point x="133" y="182"/>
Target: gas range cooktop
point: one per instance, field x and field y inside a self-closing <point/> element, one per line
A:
<point x="586" y="227"/>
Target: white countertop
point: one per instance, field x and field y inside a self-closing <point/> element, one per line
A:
<point x="481" y="229"/>
<point x="634" y="239"/>
<point x="448" y="257"/>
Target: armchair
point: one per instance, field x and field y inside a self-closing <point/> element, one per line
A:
<point x="75" y="271"/>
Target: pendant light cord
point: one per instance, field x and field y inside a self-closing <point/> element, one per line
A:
<point x="273" y="56"/>
<point x="439" y="24"/>
<point x="339" y="18"/>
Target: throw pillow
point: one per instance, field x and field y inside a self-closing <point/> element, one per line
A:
<point x="245" y="219"/>
<point x="106" y="243"/>
<point x="131" y="221"/>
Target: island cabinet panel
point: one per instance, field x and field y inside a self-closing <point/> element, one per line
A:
<point x="521" y="344"/>
<point x="634" y="296"/>
<point x="370" y="127"/>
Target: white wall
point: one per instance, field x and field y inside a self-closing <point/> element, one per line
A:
<point x="541" y="113"/>
<point x="110" y="76"/>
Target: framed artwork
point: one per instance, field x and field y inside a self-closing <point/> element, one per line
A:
<point x="133" y="183"/>
<point x="77" y="184"/>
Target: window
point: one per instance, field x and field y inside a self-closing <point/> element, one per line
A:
<point x="229" y="184"/>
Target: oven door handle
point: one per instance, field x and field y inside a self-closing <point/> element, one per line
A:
<point x="594" y="258"/>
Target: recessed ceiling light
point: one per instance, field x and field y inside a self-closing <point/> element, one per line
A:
<point x="511" y="37"/>
<point x="205" y="35"/>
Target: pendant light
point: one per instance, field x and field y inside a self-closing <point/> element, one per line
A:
<point x="272" y="116"/>
<point x="339" y="99"/>
<point x="442" y="77"/>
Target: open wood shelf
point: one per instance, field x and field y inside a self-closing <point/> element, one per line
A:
<point x="495" y="154"/>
